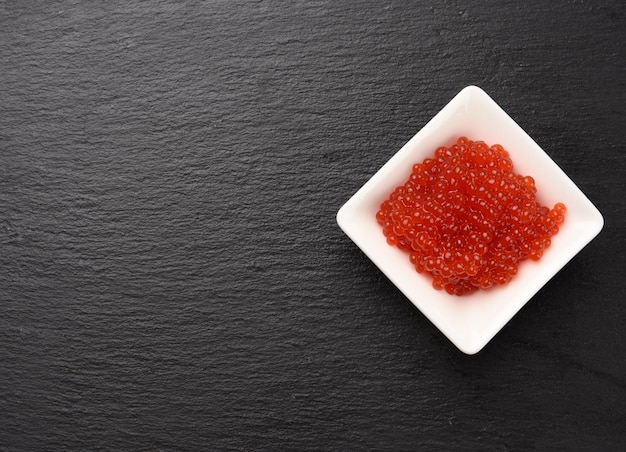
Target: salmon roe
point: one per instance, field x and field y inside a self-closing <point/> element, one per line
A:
<point x="467" y="219"/>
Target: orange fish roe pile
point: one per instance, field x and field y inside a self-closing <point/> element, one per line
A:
<point x="467" y="219"/>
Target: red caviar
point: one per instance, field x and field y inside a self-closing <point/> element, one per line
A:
<point x="467" y="219"/>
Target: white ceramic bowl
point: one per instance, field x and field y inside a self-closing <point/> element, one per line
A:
<point x="471" y="321"/>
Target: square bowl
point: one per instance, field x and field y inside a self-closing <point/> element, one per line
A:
<point x="471" y="321"/>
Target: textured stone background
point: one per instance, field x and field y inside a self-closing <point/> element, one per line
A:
<point x="171" y="273"/>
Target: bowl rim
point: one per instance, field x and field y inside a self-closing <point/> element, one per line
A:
<point x="346" y="214"/>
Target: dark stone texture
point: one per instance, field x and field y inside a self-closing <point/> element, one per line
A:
<point x="171" y="274"/>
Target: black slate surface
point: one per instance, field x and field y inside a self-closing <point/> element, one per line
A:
<point x="171" y="273"/>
